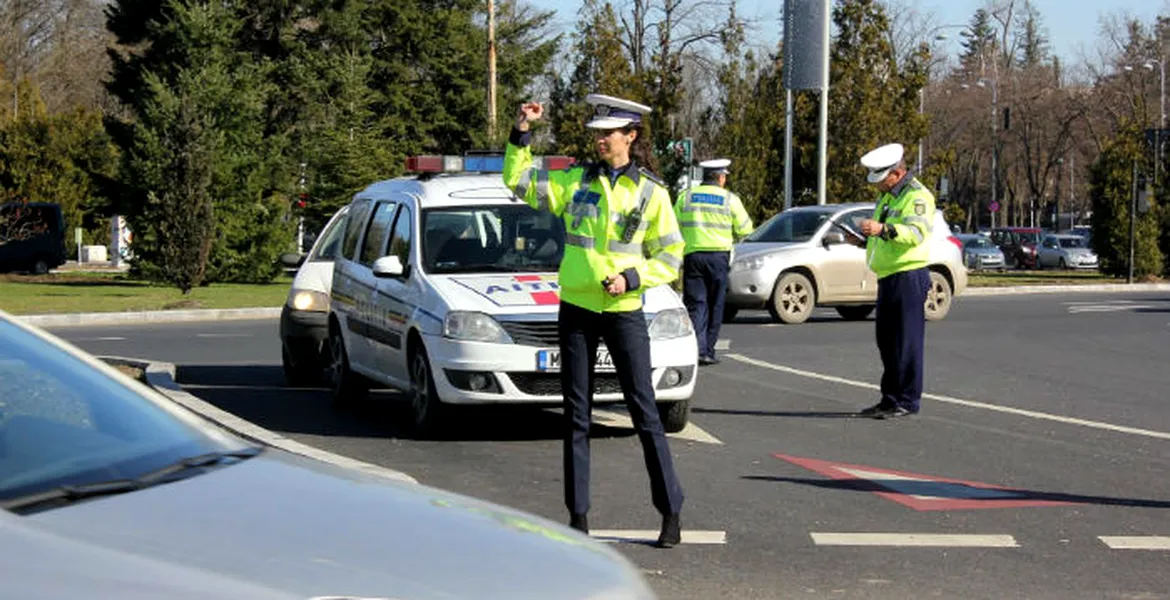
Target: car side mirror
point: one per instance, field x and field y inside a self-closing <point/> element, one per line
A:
<point x="833" y="237"/>
<point x="292" y="260"/>
<point x="388" y="266"/>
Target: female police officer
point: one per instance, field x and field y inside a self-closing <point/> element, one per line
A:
<point x="616" y="214"/>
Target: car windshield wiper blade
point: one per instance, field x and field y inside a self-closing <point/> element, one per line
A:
<point x="473" y="269"/>
<point x="73" y="493"/>
<point x="194" y="462"/>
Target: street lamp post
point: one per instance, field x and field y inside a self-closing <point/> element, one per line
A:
<point x="920" y="166"/>
<point x="1149" y="64"/>
<point x="983" y="82"/>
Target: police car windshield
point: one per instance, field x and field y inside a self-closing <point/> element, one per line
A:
<point x="791" y="226"/>
<point x="491" y="239"/>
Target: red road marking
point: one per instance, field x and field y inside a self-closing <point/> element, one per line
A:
<point x="924" y="492"/>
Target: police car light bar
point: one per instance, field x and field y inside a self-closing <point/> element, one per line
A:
<point x="477" y="164"/>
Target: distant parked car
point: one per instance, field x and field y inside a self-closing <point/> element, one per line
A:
<point x="304" y="318"/>
<point x="1018" y="244"/>
<point x="800" y="259"/>
<point x="980" y="253"/>
<point x="32" y="237"/>
<point x="1066" y="251"/>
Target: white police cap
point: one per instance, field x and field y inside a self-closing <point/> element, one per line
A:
<point x="881" y="160"/>
<point x="716" y="165"/>
<point x="614" y="113"/>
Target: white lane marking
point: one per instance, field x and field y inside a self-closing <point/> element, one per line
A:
<point x="936" y="540"/>
<point x="691" y="432"/>
<point x="1136" y="542"/>
<point x="723" y="345"/>
<point x="1102" y="308"/>
<point x="960" y="402"/>
<point x="647" y="536"/>
<point x="101" y="339"/>
<point x="223" y="335"/>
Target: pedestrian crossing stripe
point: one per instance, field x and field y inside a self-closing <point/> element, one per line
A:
<point x="919" y="540"/>
<point x="1136" y="542"/>
<point x="648" y="536"/>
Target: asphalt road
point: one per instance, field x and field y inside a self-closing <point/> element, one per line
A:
<point x="1039" y="461"/>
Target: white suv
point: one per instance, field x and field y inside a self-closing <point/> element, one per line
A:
<point x="446" y="288"/>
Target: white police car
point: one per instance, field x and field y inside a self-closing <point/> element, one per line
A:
<point x="446" y="288"/>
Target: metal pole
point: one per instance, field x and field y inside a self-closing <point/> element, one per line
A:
<point x="922" y="140"/>
<point x="823" y="141"/>
<point x="1132" y="222"/>
<point x="788" y="149"/>
<point x="491" y="9"/>
<point x="1162" y="118"/>
<point x="994" y="146"/>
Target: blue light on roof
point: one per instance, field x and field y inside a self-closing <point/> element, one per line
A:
<point x="487" y="164"/>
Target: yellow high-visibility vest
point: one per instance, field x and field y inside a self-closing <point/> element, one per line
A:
<point x="908" y="211"/>
<point x="711" y="219"/>
<point x="595" y="214"/>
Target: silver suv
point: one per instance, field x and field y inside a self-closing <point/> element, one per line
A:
<point x="800" y="259"/>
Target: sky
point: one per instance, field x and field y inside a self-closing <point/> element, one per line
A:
<point x="1073" y="26"/>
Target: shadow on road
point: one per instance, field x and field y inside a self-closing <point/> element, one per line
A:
<point x="257" y="393"/>
<point x="959" y="491"/>
<point x="779" y="413"/>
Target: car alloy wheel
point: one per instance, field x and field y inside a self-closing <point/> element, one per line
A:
<point x="938" y="297"/>
<point x="793" y="299"/>
<point x="345" y="386"/>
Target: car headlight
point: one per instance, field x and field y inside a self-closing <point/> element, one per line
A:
<point x="308" y="300"/>
<point x="753" y="263"/>
<point x="670" y="324"/>
<point x="471" y="326"/>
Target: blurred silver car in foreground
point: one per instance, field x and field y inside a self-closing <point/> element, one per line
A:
<point x="1065" y="251"/>
<point x="980" y="253"/>
<point x="800" y="259"/>
<point x="104" y="473"/>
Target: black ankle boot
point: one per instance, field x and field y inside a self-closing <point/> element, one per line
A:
<point x="671" y="534"/>
<point x="579" y="522"/>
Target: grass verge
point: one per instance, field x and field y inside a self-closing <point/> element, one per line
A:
<point x="58" y="293"/>
<point x="1014" y="278"/>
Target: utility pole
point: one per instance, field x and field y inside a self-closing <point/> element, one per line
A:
<point x="1132" y="222"/>
<point x="491" y="9"/>
<point x="823" y="138"/>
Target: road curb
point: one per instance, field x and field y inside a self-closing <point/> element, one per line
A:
<point x="158" y="316"/>
<point x="1064" y="289"/>
<point x="161" y="377"/>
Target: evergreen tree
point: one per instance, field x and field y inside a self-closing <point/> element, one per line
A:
<point x="979" y="45"/>
<point x="873" y="100"/>
<point x="601" y="67"/>
<point x="1033" y="41"/>
<point x="198" y="171"/>
<point x="747" y="120"/>
<point x="1111" y="189"/>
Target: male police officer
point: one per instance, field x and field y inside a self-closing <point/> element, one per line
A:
<point x="621" y="237"/>
<point x="711" y="219"/>
<point x="897" y="252"/>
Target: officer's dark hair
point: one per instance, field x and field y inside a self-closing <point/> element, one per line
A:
<point x="640" y="150"/>
<point x="711" y="176"/>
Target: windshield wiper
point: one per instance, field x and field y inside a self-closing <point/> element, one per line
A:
<point x="73" y="493"/>
<point x="472" y="269"/>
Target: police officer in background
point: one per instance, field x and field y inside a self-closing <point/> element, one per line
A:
<point x="897" y="253"/>
<point x="616" y="213"/>
<point x="712" y="219"/>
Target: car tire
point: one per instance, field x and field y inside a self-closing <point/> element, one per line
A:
<point x="674" y="415"/>
<point x="729" y="314"/>
<point x="938" y="297"/>
<point x="1063" y="265"/>
<point x="855" y="313"/>
<point x="299" y="373"/>
<point x="346" y="387"/>
<point x="793" y="299"/>
<point x="426" y="409"/>
<point x="40" y="266"/>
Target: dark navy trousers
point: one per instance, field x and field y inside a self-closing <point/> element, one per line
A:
<point x="628" y="340"/>
<point x="901" y="333"/>
<point x="704" y="290"/>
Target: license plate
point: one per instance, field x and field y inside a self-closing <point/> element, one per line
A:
<point x="550" y="360"/>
